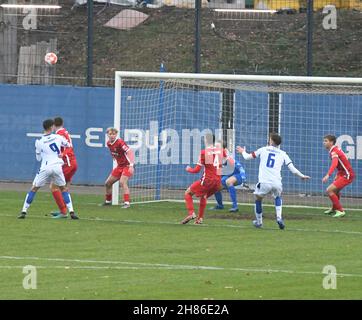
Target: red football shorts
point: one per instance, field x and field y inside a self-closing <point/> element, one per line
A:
<point x="341" y="181"/>
<point x="207" y="188"/>
<point x="69" y="171"/>
<point x="121" y="171"/>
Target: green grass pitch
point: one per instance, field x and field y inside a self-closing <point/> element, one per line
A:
<point x="144" y="253"/>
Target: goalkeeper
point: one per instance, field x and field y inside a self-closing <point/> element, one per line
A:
<point x="236" y="178"/>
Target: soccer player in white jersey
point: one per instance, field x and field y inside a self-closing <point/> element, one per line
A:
<point x="272" y="159"/>
<point x="47" y="150"/>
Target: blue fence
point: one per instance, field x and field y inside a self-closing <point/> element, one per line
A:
<point x="89" y="111"/>
<point x="86" y="112"/>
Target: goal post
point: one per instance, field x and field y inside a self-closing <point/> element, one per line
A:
<point x="117" y="125"/>
<point x="163" y="117"/>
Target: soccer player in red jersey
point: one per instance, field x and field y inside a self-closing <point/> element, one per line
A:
<point x="69" y="168"/>
<point x="344" y="177"/>
<point x="211" y="158"/>
<point x="125" y="169"/>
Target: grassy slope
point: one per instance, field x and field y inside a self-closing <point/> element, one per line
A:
<point x="240" y="46"/>
<point x="139" y="239"/>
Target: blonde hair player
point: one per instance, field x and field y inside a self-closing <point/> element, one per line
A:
<point x="124" y="156"/>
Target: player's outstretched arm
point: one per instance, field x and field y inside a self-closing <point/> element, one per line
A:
<point x="305" y="177"/>
<point x="242" y="151"/>
<point x="193" y="170"/>
<point x="295" y="171"/>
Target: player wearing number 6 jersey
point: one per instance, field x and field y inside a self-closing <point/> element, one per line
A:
<point x="272" y="159"/>
<point x="211" y="158"/>
<point x="47" y="150"/>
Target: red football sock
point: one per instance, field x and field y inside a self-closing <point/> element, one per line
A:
<point x="126" y="197"/>
<point x="202" y="207"/>
<point x="336" y="204"/>
<point x="109" y="197"/>
<point x="189" y="203"/>
<point x="57" y="195"/>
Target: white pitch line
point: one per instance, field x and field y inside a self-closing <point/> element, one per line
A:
<point x="251" y="204"/>
<point x="88" y="267"/>
<point x="38" y="135"/>
<point x="204" y="225"/>
<point x="167" y="266"/>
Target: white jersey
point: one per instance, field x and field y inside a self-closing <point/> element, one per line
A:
<point x="47" y="149"/>
<point x="271" y="162"/>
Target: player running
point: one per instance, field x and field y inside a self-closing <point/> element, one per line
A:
<point x="272" y="159"/>
<point x="211" y="158"/>
<point x="345" y="175"/>
<point x="47" y="150"/>
<point x="69" y="168"/>
<point x="125" y="169"/>
<point x="236" y="178"/>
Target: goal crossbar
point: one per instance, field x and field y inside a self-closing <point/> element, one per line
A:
<point x="234" y="77"/>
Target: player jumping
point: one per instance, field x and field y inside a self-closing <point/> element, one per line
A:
<point x="125" y="169"/>
<point x="47" y="150"/>
<point x="345" y="175"/>
<point x="69" y="168"/>
<point x="211" y="158"/>
<point x="270" y="181"/>
<point x="236" y="178"/>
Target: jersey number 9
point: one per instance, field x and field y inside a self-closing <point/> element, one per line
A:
<point x="54" y="148"/>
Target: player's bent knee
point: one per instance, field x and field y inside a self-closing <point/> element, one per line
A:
<point x="330" y="192"/>
<point x="124" y="185"/>
<point x="188" y="192"/>
<point x="108" y="184"/>
<point x="257" y="197"/>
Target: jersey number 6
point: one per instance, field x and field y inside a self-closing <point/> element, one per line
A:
<point x="271" y="160"/>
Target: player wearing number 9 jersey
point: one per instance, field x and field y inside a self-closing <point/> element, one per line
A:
<point x="272" y="158"/>
<point x="47" y="150"/>
<point x="211" y="158"/>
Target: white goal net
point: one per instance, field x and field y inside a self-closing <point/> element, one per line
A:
<point x="163" y="117"/>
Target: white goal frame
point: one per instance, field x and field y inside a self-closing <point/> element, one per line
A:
<point x="120" y="75"/>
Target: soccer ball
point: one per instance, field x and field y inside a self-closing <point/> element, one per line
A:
<point x="51" y="58"/>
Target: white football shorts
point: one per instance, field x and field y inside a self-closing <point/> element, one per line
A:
<point x="52" y="173"/>
<point x="262" y="189"/>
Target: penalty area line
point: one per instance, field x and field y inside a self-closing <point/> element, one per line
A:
<point x="202" y="226"/>
<point x="144" y="265"/>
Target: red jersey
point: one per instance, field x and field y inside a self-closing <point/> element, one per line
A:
<point x="68" y="153"/>
<point x="211" y="158"/>
<point x="344" y="167"/>
<point x="118" y="150"/>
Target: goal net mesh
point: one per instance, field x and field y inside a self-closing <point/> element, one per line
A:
<point x="164" y="121"/>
